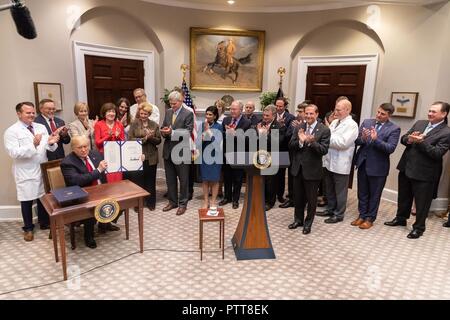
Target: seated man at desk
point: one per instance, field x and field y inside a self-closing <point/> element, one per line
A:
<point x="84" y="167"/>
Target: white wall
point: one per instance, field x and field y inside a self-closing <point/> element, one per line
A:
<point x="415" y="58"/>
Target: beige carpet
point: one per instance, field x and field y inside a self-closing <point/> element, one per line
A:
<point x="333" y="262"/>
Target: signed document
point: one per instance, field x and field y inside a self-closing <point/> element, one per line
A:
<point x="123" y="155"/>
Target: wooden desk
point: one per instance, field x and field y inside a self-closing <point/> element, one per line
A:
<point x="203" y="217"/>
<point x="126" y="193"/>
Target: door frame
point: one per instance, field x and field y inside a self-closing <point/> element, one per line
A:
<point x="369" y="60"/>
<point x="81" y="49"/>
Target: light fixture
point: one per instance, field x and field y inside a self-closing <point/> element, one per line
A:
<point x="230" y="1"/>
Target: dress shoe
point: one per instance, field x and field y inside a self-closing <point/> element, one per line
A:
<point x="224" y="202"/>
<point x="366" y="224"/>
<point x="395" y="222"/>
<point x="103" y="227"/>
<point x="287" y="204"/>
<point x="295" y="225"/>
<point x="357" y="222"/>
<point x="235" y="205"/>
<point x="268" y="207"/>
<point x="333" y="219"/>
<point x="446" y="224"/>
<point x="44" y="227"/>
<point x="415" y="234"/>
<point x="90" y="243"/>
<point x="326" y="213"/>
<point x="151" y="207"/>
<point x="169" y="207"/>
<point x="306" y="230"/>
<point x="281" y="200"/>
<point x="28" y="236"/>
<point x="181" y="211"/>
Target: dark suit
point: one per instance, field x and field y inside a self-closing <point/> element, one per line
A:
<point x="184" y="123"/>
<point x="306" y="169"/>
<point x="59" y="152"/>
<point x="76" y="173"/>
<point x="420" y="168"/>
<point x="270" y="181"/>
<point x="284" y="146"/>
<point x="372" y="161"/>
<point x="254" y="119"/>
<point x="233" y="177"/>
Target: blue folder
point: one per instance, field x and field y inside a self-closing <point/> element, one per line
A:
<point x="69" y="195"/>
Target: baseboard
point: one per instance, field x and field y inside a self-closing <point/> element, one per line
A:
<point x="439" y="204"/>
<point x="10" y="213"/>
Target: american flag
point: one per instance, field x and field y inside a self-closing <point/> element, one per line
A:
<point x="188" y="102"/>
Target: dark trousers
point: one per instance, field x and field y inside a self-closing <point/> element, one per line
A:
<point x="270" y="189"/>
<point x="146" y="179"/>
<point x="290" y="194"/>
<point x="233" y="182"/>
<point x="27" y="214"/>
<point x="305" y="192"/>
<point x="421" y="192"/>
<point x="280" y="182"/>
<point x="89" y="228"/>
<point x="337" y="191"/>
<point x="173" y="174"/>
<point x="370" y="189"/>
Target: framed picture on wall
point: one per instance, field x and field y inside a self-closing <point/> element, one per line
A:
<point x="47" y="90"/>
<point x="230" y="60"/>
<point x="405" y="104"/>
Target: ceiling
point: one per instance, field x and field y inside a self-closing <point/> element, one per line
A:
<point x="282" y="5"/>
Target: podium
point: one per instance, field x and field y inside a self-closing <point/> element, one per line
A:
<point x="251" y="240"/>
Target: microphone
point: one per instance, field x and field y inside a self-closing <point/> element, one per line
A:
<point x="22" y="18"/>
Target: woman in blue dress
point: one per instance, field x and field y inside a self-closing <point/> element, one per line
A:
<point x="211" y="165"/>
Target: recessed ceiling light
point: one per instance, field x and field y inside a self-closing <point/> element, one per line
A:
<point x="230" y="1"/>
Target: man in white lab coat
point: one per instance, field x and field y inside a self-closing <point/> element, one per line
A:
<point x="27" y="143"/>
<point x="140" y="96"/>
<point x="338" y="160"/>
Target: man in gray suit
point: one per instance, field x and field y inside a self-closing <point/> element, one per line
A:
<point x="176" y="129"/>
<point x="309" y="142"/>
<point x="421" y="166"/>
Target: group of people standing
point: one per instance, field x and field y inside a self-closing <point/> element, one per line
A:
<point x="321" y="154"/>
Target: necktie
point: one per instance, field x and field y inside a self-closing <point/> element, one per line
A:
<point x="174" y="117"/>
<point x="377" y="126"/>
<point x="30" y="127"/>
<point x="308" y="130"/>
<point x="52" y="125"/>
<point x="428" y="129"/>
<point x="338" y="123"/>
<point x="233" y="124"/>
<point x="89" y="169"/>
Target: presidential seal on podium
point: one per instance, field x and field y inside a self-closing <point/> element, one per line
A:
<point x="262" y="159"/>
<point x="107" y="210"/>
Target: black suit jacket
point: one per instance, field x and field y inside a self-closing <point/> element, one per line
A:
<point x="243" y="124"/>
<point x="59" y="152"/>
<point x="76" y="173"/>
<point x="423" y="161"/>
<point x="309" y="157"/>
<point x="288" y="118"/>
<point x="281" y="135"/>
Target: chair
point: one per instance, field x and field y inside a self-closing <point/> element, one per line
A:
<point x="54" y="179"/>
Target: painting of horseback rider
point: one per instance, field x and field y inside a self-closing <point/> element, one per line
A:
<point x="226" y="61"/>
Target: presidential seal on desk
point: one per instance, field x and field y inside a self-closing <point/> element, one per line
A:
<point x="107" y="210"/>
<point x="262" y="159"/>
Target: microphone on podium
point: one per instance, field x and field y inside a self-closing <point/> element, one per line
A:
<point x="22" y="18"/>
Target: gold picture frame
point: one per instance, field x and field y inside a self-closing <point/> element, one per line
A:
<point x="48" y="90"/>
<point x="405" y="104"/>
<point x="229" y="60"/>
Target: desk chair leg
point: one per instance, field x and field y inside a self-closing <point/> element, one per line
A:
<point x="127" y="224"/>
<point x="72" y="236"/>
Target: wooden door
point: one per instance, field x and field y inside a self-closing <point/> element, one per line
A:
<point x="108" y="79"/>
<point x="326" y="83"/>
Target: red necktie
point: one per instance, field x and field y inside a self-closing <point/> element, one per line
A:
<point x="233" y="125"/>
<point x="52" y="125"/>
<point x="89" y="169"/>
